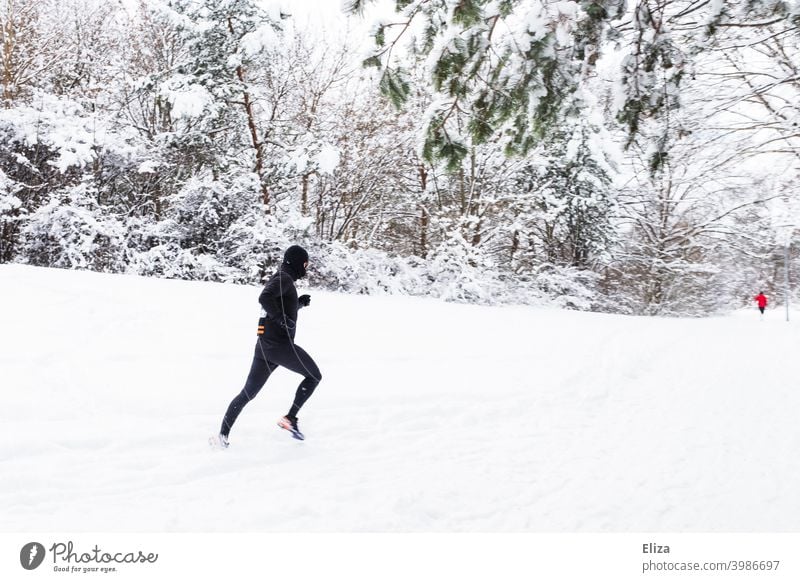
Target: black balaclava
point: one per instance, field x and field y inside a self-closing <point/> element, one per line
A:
<point x="294" y="260"/>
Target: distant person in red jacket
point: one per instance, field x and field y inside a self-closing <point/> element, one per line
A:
<point x="761" y="299"/>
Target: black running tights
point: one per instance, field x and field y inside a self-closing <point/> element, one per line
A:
<point x="265" y="360"/>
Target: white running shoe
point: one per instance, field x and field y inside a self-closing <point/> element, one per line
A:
<point x="218" y="442"/>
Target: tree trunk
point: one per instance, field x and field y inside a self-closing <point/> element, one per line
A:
<point x="514" y="245"/>
<point x="9" y="35"/>
<point x="251" y="124"/>
<point x="476" y="235"/>
<point x="424" y="219"/>
<point x="304" y="200"/>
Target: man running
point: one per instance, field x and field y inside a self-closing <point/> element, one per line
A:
<point x="275" y="345"/>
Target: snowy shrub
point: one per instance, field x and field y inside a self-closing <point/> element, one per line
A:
<point x="200" y="214"/>
<point x="244" y="248"/>
<point x="170" y="261"/>
<point x="60" y="200"/>
<point x="568" y="287"/>
<point x="455" y="272"/>
<point x="458" y="271"/>
<point x="365" y="271"/>
<point x="72" y="230"/>
<point x="214" y="229"/>
<point x="217" y="222"/>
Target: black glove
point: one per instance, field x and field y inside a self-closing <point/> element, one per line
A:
<point x="304" y="300"/>
<point x="287" y="324"/>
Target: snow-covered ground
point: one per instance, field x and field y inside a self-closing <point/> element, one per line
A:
<point x="430" y="416"/>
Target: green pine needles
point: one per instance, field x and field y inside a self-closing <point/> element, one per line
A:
<point x="499" y="75"/>
<point x="510" y="67"/>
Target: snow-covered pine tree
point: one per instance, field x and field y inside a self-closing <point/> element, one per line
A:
<point x="208" y="92"/>
<point x="566" y="204"/>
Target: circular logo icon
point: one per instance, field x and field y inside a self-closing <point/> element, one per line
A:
<point x="32" y="555"/>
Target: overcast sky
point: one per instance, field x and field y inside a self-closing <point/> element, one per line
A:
<point x="327" y="19"/>
<point x="329" y="12"/>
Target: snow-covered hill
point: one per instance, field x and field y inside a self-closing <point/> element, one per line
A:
<point x="430" y="416"/>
